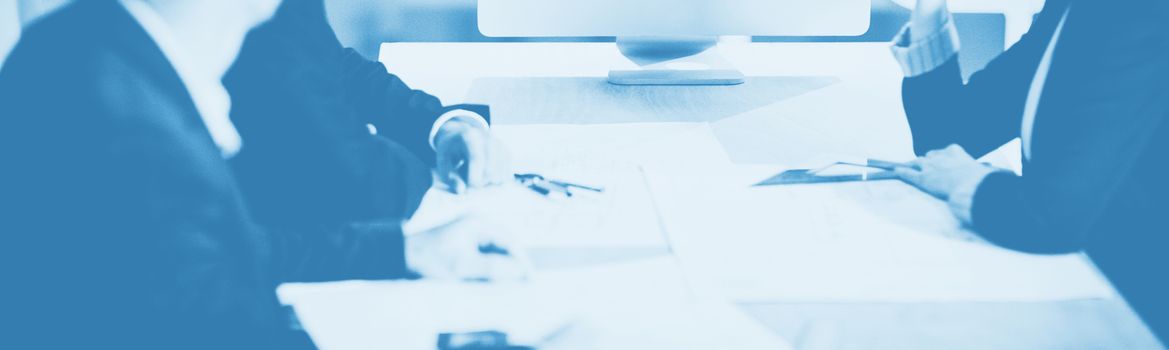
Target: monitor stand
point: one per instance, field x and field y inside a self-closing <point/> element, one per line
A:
<point x="674" y="61"/>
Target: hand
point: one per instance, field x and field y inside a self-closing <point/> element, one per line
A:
<point x="945" y="171"/>
<point x="466" y="249"/>
<point x="468" y="156"/>
<point x="927" y="18"/>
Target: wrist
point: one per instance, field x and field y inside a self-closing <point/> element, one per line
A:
<point x="414" y="247"/>
<point x="462" y="119"/>
<point x="924" y="45"/>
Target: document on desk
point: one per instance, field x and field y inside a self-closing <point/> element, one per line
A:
<point x="603" y="156"/>
<point x="634" y="305"/>
<point x="864" y="242"/>
<point x="620" y="216"/>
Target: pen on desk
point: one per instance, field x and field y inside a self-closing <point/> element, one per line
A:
<point x="545" y="186"/>
<point x="485" y="340"/>
<point x="583" y="187"/>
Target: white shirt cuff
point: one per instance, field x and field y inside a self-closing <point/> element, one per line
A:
<point x="918" y="57"/>
<point x="473" y="117"/>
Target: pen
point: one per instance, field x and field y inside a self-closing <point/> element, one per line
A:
<point x="583" y="187"/>
<point x="545" y="186"/>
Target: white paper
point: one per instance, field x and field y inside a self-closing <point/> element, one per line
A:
<point x="621" y="216"/>
<point x="605" y="156"/>
<point x="637" y="305"/>
<point x="867" y="242"/>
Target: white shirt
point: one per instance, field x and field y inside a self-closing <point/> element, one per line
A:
<point x="1032" y="105"/>
<point x="918" y="57"/>
<point x="206" y="88"/>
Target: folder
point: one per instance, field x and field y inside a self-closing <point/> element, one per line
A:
<point x="871" y="170"/>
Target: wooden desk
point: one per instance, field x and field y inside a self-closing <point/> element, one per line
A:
<point x="871" y="121"/>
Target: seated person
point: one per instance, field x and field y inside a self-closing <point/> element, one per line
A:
<point x="304" y="102"/>
<point x="123" y="225"/>
<point x="1087" y="89"/>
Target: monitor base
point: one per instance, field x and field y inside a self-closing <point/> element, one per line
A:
<point x="674" y="61"/>
<point x="676" y="77"/>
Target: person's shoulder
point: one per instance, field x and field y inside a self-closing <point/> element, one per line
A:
<point x="62" y="44"/>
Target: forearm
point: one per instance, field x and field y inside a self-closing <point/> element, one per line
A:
<point x="399" y="112"/>
<point x="942" y="108"/>
<point x="1005" y="214"/>
<point x="219" y="292"/>
<point x="933" y="92"/>
<point x="382" y="185"/>
<point x="387" y="178"/>
<point x="934" y="107"/>
<point x="368" y="251"/>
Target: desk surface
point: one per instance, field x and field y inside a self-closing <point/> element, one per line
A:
<point x="870" y="79"/>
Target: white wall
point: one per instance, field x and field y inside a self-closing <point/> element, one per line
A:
<point x="30" y="10"/>
<point x="9" y="27"/>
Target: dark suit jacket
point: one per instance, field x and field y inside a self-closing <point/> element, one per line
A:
<point x="1096" y="178"/>
<point x="302" y="103"/>
<point x="122" y="226"/>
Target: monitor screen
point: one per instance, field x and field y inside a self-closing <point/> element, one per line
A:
<point x="557" y="18"/>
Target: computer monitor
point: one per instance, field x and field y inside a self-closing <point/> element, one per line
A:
<point x="654" y="31"/>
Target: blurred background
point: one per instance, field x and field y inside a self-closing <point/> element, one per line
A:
<point x="369" y="23"/>
<point x="365" y="24"/>
<point x="9" y="27"/>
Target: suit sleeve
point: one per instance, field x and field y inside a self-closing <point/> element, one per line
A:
<point x="219" y="294"/>
<point x="980" y="115"/>
<point x="400" y="113"/>
<point x="365" y="251"/>
<point x="1112" y="99"/>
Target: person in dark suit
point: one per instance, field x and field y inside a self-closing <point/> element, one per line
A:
<point x="122" y="224"/>
<point x="305" y="103"/>
<point x="1087" y="90"/>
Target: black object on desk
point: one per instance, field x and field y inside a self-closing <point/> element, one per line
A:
<point x="486" y="340"/>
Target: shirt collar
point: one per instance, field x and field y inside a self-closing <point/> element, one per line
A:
<point x="210" y="97"/>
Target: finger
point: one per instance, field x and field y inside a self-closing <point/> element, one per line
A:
<point x="454" y="182"/>
<point x="458" y="185"/>
<point x="504" y="268"/>
<point x="499" y="169"/>
<point x="476" y="162"/>
<point x="916" y="179"/>
<point x="935" y="153"/>
<point x="950" y="152"/>
<point x="491" y="268"/>
<point x="446" y="168"/>
<point x="914" y="164"/>
<point x="449" y="180"/>
<point x="909" y="175"/>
